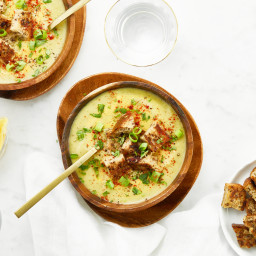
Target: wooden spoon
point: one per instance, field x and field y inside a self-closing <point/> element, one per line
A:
<point x="68" y="12"/>
<point x="54" y="183"/>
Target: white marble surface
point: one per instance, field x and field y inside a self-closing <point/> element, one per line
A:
<point x="211" y="71"/>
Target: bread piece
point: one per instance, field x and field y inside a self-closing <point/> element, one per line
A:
<point x="234" y="196"/>
<point x="250" y="206"/>
<point x="117" y="166"/>
<point x="22" y="24"/>
<point x="250" y="188"/>
<point x="6" y="52"/>
<point x="244" y="238"/>
<point x="250" y="222"/>
<point x="124" y="125"/>
<point x="253" y="175"/>
<point x="155" y="136"/>
<point x="2" y="6"/>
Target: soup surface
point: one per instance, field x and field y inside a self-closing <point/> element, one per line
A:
<point x="27" y="47"/>
<point x="148" y="167"/>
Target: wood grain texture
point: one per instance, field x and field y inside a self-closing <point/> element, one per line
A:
<point x="160" y="210"/>
<point x="39" y="88"/>
<point x="84" y="192"/>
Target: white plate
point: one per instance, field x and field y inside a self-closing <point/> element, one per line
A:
<point x="230" y="216"/>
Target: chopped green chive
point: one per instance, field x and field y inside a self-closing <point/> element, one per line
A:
<point x="19" y="44"/>
<point x="116" y="153"/>
<point x="155" y="176"/>
<point x="96" y="115"/>
<point x="96" y="170"/>
<point x="47" y="1"/>
<point x="136" y="191"/>
<point x="39" y="43"/>
<point x="121" y="110"/>
<point x="105" y="193"/>
<point x="99" y="144"/>
<point x="121" y="140"/>
<point x="20" y="65"/>
<point x="144" y="178"/>
<point x="162" y="159"/>
<point x="47" y="54"/>
<point x="84" y="167"/>
<point x="9" y="67"/>
<point x="144" y="153"/>
<point x="37" y="72"/>
<point x="99" y="127"/>
<point x="133" y="137"/>
<point x="55" y="31"/>
<point x="133" y="102"/>
<point x="137" y="130"/>
<point x="124" y="181"/>
<point x="40" y="59"/>
<point x="94" y="192"/>
<point x="82" y="180"/>
<point x="159" y="141"/>
<point x="32" y="45"/>
<point x="21" y="4"/>
<point x="73" y="156"/>
<point x="101" y="108"/>
<point x="179" y="133"/>
<point x="3" y="32"/>
<point x="143" y="146"/>
<point x="80" y="135"/>
<point x="110" y="184"/>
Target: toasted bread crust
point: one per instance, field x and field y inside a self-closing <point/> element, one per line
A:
<point x="234" y="196"/>
<point x="244" y="238"/>
<point x="250" y="206"/>
<point x="253" y="175"/>
<point x="250" y="188"/>
<point x="250" y="222"/>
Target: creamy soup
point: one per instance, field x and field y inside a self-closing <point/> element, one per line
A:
<point x="150" y="170"/>
<point x="27" y="47"/>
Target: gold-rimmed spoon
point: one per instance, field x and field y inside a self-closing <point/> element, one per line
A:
<point x="67" y="13"/>
<point x="23" y="209"/>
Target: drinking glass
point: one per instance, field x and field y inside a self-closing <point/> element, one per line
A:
<point x="141" y="32"/>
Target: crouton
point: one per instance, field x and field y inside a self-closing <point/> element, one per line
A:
<point x="22" y="24"/>
<point x="234" y="196"/>
<point x="147" y="163"/>
<point x="253" y="175"/>
<point x="155" y="136"/>
<point x="124" y="125"/>
<point x="117" y="166"/>
<point x="244" y="238"/>
<point x="250" y="206"/>
<point x="250" y="188"/>
<point x="2" y="6"/>
<point x="250" y="222"/>
<point x="5" y="23"/>
<point x="129" y="147"/>
<point x="6" y="52"/>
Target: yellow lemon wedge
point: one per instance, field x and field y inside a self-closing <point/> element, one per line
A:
<point x="3" y="130"/>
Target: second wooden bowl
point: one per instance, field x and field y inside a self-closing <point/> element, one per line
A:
<point x="159" y="197"/>
<point x="56" y="64"/>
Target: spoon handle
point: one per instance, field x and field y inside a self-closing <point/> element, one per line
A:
<point x="54" y="183"/>
<point x="67" y="13"/>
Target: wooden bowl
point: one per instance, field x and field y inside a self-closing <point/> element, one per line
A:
<point x="56" y="64"/>
<point x="159" y="197"/>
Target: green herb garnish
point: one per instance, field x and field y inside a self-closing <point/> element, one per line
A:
<point x="143" y="146"/>
<point x="162" y="159"/>
<point x="124" y="181"/>
<point x="136" y="191"/>
<point x="94" y="192"/>
<point x="179" y="133"/>
<point x="99" y="144"/>
<point x="99" y="127"/>
<point x="40" y="59"/>
<point x="121" y="110"/>
<point x="133" y="102"/>
<point x="21" y="4"/>
<point x="105" y="193"/>
<point x="73" y="156"/>
<point x="110" y="184"/>
<point x="19" y="44"/>
<point x="20" y="65"/>
<point x="116" y="153"/>
<point x="47" y="1"/>
<point x="159" y="141"/>
<point x="9" y="67"/>
<point x="144" y="178"/>
<point x="100" y="110"/>
<point x="155" y="176"/>
<point x="80" y="135"/>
